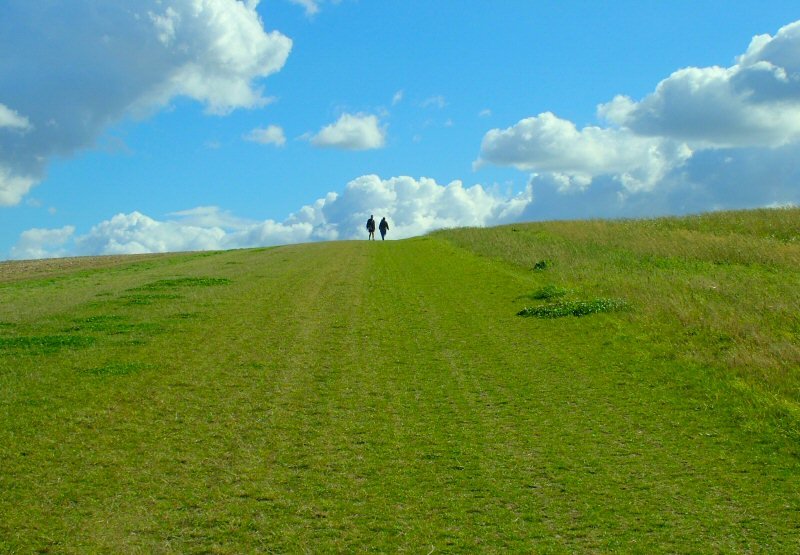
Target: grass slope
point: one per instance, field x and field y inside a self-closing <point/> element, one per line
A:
<point x="386" y="396"/>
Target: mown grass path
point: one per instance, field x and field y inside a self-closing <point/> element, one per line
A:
<point x="362" y="396"/>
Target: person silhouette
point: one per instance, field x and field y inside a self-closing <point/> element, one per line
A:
<point x="384" y="227"/>
<point x="371" y="228"/>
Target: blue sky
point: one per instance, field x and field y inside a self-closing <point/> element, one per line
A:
<point x="168" y="125"/>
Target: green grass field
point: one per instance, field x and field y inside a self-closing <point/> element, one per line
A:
<point x="387" y="397"/>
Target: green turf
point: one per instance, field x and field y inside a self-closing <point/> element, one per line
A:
<point x="385" y="396"/>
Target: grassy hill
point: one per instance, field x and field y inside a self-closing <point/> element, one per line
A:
<point x="387" y="396"/>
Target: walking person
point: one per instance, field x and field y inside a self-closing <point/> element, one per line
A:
<point x="371" y="228"/>
<point x="384" y="227"/>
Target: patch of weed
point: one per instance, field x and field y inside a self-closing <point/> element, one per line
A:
<point x="117" y="369"/>
<point x="136" y="342"/>
<point x="549" y="292"/>
<point x="103" y="322"/>
<point x="182" y="282"/>
<point x="113" y="324"/>
<point x="32" y="283"/>
<point x="148" y="299"/>
<point x="573" y="308"/>
<point x="205" y="254"/>
<point x="43" y="344"/>
<point x="541" y="265"/>
<point x="185" y="315"/>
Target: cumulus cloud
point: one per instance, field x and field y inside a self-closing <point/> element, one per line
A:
<point x="270" y="135"/>
<point x="667" y="153"/>
<point x="548" y="143"/>
<point x="417" y="206"/>
<point x="11" y="119"/>
<point x="754" y="103"/>
<point x="42" y="243"/>
<point x="71" y="69"/>
<point x="713" y="179"/>
<point x="412" y="206"/>
<point x="13" y="187"/>
<point x="136" y="233"/>
<point x="352" y="132"/>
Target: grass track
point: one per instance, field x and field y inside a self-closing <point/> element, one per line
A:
<point x="367" y="396"/>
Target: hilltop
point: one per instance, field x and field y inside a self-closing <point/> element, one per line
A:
<point x="431" y="394"/>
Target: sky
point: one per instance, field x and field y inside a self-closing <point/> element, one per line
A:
<point x="133" y="126"/>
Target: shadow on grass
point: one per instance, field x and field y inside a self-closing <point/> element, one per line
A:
<point x="43" y="344"/>
<point x="117" y="369"/>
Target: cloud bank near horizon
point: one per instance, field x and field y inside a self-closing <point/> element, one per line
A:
<point x="704" y="139"/>
<point x="412" y="206"/>
<point x="129" y="60"/>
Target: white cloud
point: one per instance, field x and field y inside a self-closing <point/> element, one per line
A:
<point x="11" y="119"/>
<point x="754" y="103"/>
<point x="114" y="60"/>
<point x="42" y="243"/>
<point x="713" y="179"/>
<point x="136" y="233"/>
<point x="210" y="216"/>
<point x="721" y="179"/>
<point x="412" y="206"/>
<point x="165" y="24"/>
<point x="550" y="144"/>
<point x="416" y="206"/>
<point x="352" y="132"/>
<point x="311" y="6"/>
<point x="705" y="138"/>
<point x="217" y="48"/>
<point x="397" y="98"/>
<point x="13" y="187"/>
<point x="270" y="135"/>
<point x="485" y="113"/>
<point x="437" y="101"/>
